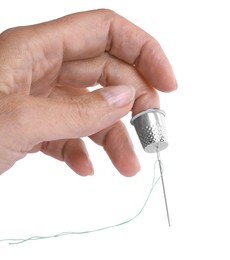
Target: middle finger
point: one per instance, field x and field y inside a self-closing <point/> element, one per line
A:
<point x="107" y="70"/>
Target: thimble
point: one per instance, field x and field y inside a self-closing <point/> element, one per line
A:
<point x="150" y="128"/>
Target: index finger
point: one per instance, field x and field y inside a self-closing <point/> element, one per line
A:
<point x="88" y="34"/>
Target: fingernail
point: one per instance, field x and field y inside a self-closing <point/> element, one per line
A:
<point x="118" y="96"/>
<point x="91" y="174"/>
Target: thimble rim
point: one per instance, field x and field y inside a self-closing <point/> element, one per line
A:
<point x="156" y="147"/>
<point x="150" y="110"/>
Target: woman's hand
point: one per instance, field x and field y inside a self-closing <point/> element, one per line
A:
<point x="45" y="70"/>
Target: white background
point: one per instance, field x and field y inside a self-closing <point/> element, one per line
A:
<point x="40" y="196"/>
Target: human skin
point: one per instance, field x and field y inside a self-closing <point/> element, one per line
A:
<point x="45" y="71"/>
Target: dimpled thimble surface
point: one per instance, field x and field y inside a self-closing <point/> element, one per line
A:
<point x="150" y="128"/>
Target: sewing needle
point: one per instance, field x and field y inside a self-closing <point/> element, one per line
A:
<point x="163" y="186"/>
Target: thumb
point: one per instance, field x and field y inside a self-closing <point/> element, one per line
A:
<point x="47" y="119"/>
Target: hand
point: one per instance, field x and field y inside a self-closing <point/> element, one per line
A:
<point x="45" y="70"/>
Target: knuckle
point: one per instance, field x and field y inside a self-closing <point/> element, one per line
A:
<point x="8" y="32"/>
<point x="16" y="38"/>
<point x="83" y="115"/>
<point x="13" y="33"/>
<point x="15" y="114"/>
<point x="15" y="109"/>
<point x="107" y="12"/>
<point x="79" y="112"/>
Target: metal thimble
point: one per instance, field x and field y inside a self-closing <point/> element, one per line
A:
<point x="150" y="128"/>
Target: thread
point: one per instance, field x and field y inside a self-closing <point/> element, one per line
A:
<point x="14" y="241"/>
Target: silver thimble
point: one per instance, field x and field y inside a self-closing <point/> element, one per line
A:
<point x="150" y="128"/>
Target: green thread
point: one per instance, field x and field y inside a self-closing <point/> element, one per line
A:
<point x="14" y="241"/>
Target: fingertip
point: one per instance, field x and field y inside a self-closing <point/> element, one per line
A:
<point x="154" y="65"/>
<point x="124" y="157"/>
<point x="167" y="82"/>
<point x="163" y="77"/>
<point x="77" y="158"/>
<point x="128" y="165"/>
<point x="82" y="166"/>
<point x="83" y="169"/>
<point x="167" y="88"/>
<point x="132" y="169"/>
